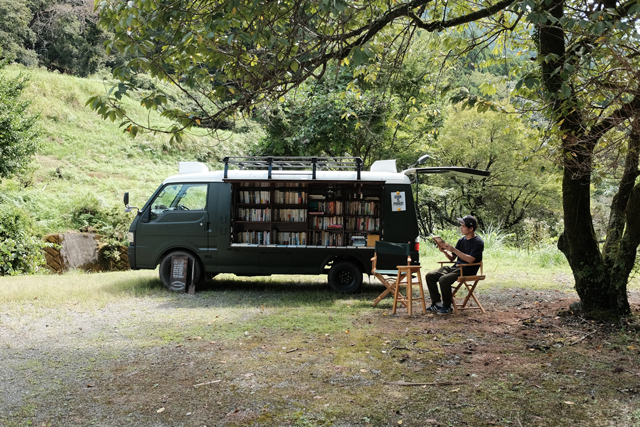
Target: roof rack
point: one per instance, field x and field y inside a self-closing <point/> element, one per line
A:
<point x="280" y="163"/>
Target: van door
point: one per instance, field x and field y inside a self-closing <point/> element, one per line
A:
<point x="219" y="207"/>
<point x="450" y="170"/>
<point x="177" y="218"/>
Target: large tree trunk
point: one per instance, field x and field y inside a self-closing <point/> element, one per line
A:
<point x="623" y="235"/>
<point x="579" y="242"/>
<point x="599" y="280"/>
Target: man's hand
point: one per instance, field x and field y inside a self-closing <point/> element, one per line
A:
<point x="466" y="258"/>
<point x="447" y="247"/>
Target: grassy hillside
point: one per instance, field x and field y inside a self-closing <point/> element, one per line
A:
<point x="84" y="159"/>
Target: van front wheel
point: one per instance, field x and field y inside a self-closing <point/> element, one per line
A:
<point x="345" y="277"/>
<point x="180" y="285"/>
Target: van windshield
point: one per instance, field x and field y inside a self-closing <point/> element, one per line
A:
<point x="179" y="197"/>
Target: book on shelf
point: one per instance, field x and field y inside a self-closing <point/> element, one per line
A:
<point x="253" y="197"/>
<point x="290" y="215"/>
<point x="290" y="197"/>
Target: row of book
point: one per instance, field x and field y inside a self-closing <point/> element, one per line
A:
<point x="363" y="224"/>
<point x="326" y="222"/>
<point x="252" y="214"/>
<point x="316" y="222"/>
<point x="362" y="208"/>
<point x="331" y="208"/>
<point x="254" y="184"/>
<point x="290" y="197"/>
<point x="287" y="238"/>
<point x="344" y="208"/>
<point x="290" y="215"/>
<point x="272" y="237"/>
<point x="325" y="238"/>
<point x="261" y="197"/>
<point x="254" y="237"/>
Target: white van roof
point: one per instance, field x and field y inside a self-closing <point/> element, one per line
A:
<point x="381" y="171"/>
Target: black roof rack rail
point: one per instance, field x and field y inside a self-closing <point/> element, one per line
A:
<point x="314" y="163"/>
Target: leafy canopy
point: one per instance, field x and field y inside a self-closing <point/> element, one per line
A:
<point x="228" y="55"/>
<point x="395" y="115"/>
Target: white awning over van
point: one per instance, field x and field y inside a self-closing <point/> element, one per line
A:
<point x="450" y="170"/>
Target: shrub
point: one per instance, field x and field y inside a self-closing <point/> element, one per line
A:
<point x="20" y="251"/>
<point x="494" y="236"/>
<point x="90" y="215"/>
<point x="549" y="256"/>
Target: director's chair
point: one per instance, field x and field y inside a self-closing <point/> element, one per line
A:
<point x="470" y="283"/>
<point x="402" y="275"/>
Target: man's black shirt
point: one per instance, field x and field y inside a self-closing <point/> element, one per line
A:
<point x="472" y="247"/>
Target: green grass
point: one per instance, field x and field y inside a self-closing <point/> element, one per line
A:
<point x="78" y="288"/>
<point x="504" y="267"/>
<point x="94" y="156"/>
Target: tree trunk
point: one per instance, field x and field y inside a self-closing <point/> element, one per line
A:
<point x="623" y="235"/>
<point x="599" y="281"/>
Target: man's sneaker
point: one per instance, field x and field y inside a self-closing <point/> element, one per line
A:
<point x="433" y="308"/>
<point x="445" y="310"/>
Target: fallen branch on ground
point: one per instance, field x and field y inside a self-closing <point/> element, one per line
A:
<point x="207" y="383"/>
<point x="578" y="340"/>
<point x="404" y="383"/>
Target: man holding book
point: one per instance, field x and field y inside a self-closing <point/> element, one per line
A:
<point x="468" y="250"/>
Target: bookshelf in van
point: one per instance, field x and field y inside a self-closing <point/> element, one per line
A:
<point x="304" y="214"/>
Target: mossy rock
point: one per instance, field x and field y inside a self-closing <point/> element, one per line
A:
<point x="110" y="263"/>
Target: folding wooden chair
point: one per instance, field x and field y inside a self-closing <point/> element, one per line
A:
<point x="470" y="282"/>
<point x="402" y="275"/>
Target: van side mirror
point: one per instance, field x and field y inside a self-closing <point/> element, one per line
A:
<point x="128" y="208"/>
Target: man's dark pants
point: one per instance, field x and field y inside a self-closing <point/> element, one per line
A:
<point x="444" y="276"/>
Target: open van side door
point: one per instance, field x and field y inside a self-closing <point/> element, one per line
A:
<point x="450" y="170"/>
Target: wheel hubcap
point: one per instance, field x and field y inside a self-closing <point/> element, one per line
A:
<point x="345" y="277"/>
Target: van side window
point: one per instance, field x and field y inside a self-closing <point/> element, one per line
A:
<point x="179" y="197"/>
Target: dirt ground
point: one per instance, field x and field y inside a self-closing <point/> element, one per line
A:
<point x="298" y="356"/>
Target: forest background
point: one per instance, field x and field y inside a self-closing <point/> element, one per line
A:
<point x="463" y="103"/>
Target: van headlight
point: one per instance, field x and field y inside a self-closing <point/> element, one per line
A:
<point x="130" y="237"/>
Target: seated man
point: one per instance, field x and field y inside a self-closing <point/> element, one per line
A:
<point x="468" y="250"/>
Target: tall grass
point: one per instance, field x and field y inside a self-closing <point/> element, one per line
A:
<point x="506" y="266"/>
<point x="83" y="154"/>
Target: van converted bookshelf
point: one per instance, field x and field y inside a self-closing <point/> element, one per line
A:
<point x="311" y="213"/>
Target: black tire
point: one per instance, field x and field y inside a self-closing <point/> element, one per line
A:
<point x="165" y="271"/>
<point x="345" y="277"/>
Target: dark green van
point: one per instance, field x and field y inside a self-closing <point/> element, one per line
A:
<point x="276" y="216"/>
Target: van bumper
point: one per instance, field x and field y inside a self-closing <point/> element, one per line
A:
<point x="131" y="254"/>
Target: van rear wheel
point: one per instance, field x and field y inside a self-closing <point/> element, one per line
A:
<point x="180" y="285"/>
<point x="345" y="277"/>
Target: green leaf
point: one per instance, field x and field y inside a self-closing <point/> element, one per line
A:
<point x="488" y="88"/>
